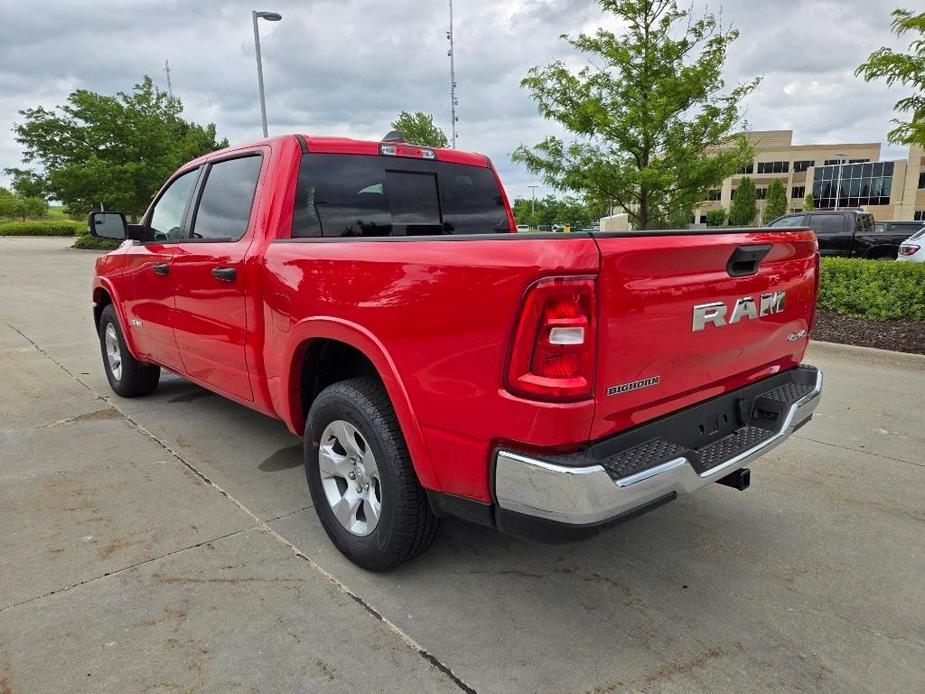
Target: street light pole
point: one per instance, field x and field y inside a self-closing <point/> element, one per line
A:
<point x="270" y="17"/>
<point x="841" y="164"/>
<point x="533" y="200"/>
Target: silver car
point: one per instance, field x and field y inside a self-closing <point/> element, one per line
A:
<point x="912" y="250"/>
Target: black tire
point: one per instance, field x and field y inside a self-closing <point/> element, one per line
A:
<point x="133" y="378"/>
<point x="406" y="525"/>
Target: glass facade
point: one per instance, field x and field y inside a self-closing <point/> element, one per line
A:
<point x="861" y="184"/>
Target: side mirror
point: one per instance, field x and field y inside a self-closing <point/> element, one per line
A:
<point x="107" y="225"/>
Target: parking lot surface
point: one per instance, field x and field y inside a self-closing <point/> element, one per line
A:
<point x="167" y="544"/>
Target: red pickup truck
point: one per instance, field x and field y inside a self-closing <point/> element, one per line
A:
<point x="376" y="297"/>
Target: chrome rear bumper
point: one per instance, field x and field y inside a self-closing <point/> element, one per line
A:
<point x="589" y="495"/>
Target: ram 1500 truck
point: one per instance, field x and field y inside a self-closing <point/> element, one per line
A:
<point x="851" y="233"/>
<point x="376" y="297"/>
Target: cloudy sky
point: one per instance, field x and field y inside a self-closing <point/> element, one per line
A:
<point x="347" y="67"/>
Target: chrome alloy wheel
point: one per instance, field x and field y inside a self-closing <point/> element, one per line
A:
<point x="350" y="477"/>
<point x="113" y="352"/>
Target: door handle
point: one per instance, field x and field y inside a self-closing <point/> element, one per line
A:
<point x="160" y="268"/>
<point x="225" y="274"/>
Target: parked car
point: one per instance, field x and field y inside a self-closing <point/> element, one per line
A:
<point x="848" y="233"/>
<point x="912" y="250"/>
<point x="523" y="227"/>
<point x="373" y="296"/>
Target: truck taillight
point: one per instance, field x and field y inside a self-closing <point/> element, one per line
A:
<point x="552" y="357"/>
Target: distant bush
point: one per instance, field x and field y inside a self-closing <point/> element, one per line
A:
<point x="873" y="289"/>
<point x="716" y="218"/>
<point x="58" y="227"/>
<point x="88" y="242"/>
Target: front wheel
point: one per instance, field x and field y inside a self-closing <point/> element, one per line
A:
<point x="127" y="376"/>
<point x="361" y="479"/>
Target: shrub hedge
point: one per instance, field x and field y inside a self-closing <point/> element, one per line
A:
<point x="874" y="289"/>
<point x="88" y="242"/>
<point x="58" y="227"/>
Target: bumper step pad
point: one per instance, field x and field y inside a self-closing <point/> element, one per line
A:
<point x="764" y="415"/>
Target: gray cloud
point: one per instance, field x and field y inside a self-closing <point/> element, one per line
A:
<point x="348" y="67"/>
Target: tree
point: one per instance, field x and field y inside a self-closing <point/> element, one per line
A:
<point x="777" y="202"/>
<point x="716" y="218"/>
<point x="21" y="206"/>
<point x="808" y="204"/>
<point x="114" y="151"/>
<point x="419" y="129"/>
<point x="744" y="207"/>
<point x="650" y="119"/>
<point x="27" y="183"/>
<point x="907" y="70"/>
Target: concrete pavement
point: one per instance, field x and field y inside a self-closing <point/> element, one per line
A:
<point x="167" y="544"/>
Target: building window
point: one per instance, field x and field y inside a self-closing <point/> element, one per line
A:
<point x="831" y="162"/>
<point x="703" y="219"/>
<point x="798" y="192"/>
<point x="853" y="185"/>
<point x="922" y="180"/>
<point x="747" y="169"/>
<point x="714" y="194"/>
<point x="802" y="165"/>
<point x="761" y="193"/>
<point x="858" y="161"/>
<point x="919" y="216"/>
<point x="766" y="167"/>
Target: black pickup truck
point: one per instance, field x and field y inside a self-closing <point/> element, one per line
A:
<point x="852" y="233"/>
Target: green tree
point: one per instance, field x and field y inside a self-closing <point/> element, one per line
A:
<point x="716" y="218"/>
<point x="907" y="70"/>
<point x="419" y="129"/>
<point x="744" y="206"/>
<point x="27" y="183"/>
<point x="777" y="202"/>
<point x="808" y="203"/>
<point x="13" y="205"/>
<point x="114" y="151"/>
<point x="651" y="122"/>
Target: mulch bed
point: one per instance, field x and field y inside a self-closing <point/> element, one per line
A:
<point x="898" y="335"/>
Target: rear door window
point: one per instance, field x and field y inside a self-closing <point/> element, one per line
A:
<point x="794" y="221"/>
<point x="865" y="223"/>
<point x="827" y="223"/>
<point x="224" y="208"/>
<point x="368" y="196"/>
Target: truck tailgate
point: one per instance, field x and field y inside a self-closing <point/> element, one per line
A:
<point x="654" y="357"/>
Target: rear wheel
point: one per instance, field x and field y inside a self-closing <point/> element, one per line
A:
<point x="127" y="376"/>
<point x="361" y="479"/>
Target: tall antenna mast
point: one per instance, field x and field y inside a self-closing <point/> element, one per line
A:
<point x="453" y="100"/>
<point x="169" y="85"/>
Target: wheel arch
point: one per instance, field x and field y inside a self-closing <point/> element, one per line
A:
<point x="103" y="295"/>
<point x="324" y="351"/>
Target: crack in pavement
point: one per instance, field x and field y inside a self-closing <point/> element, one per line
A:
<point x="124" y="569"/>
<point x="862" y="452"/>
<point x="258" y="523"/>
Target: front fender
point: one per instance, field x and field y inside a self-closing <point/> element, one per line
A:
<point x="358" y="337"/>
<point x="103" y="284"/>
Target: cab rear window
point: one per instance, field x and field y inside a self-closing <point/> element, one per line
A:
<point x="368" y="196"/>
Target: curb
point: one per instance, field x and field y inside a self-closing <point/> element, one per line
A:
<point x="868" y="354"/>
